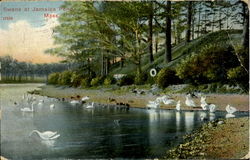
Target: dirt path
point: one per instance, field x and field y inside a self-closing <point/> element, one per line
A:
<point x="229" y="140"/>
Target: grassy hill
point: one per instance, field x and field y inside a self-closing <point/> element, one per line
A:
<point x="181" y="50"/>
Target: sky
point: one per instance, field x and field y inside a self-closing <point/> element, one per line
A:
<point x="26" y="33"/>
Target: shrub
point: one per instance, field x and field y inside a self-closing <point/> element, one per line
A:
<point x="166" y="77"/>
<point x="96" y="81"/>
<point x="65" y="78"/>
<point x="109" y="81"/>
<point x="85" y="82"/>
<point x="126" y="80"/>
<point x="210" y="65"/>
<point x="238" y="76"/>
<point x="76" y="79"/>
<point x="141" y="78"/>
<point x="53" y="78"/>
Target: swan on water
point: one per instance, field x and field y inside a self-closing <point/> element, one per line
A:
<point x="230" y="109"/>
<point x="52" y="106"/>
<point x="90" y="106"/>
<point x="27" y="109"/>
<point x="212" y="108"/>
<point x="74" y="102"/>
<point x="117" y="122"/>
<point x="47" y="135"/>
<point x="230" y="115"/>
<point x="178" y="106"/>
<point x="189" y="102"/>
<point x="85" y="98"/>
<point x="40" y="102"/>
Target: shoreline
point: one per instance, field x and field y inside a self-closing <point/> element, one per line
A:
<point x="102" y="96"/>
<point x="228" y="132"/>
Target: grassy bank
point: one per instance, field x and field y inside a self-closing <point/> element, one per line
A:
<point x="102" y="95"/>
<point x="229" y="140"/>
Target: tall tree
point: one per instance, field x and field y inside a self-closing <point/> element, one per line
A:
<point x="189" y="20"/>
<point x="150" y="35"/>
<point x="168" y="46"/>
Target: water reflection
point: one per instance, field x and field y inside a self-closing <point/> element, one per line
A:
<point x="189" y="121"/>
<point x="102" y="132"/>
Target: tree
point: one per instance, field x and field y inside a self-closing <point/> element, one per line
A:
<point x="189" y="19"/>
<point x="168" y="46"/>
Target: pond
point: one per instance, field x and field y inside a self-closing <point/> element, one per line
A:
<point x="102" y="132"/>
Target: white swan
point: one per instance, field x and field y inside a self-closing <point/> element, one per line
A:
<point x="27" y="109"/>
<point x="168" y="101"/>
<point x="230" y="115"/>
<point x="189" y="102"/>
<point x="178" y="106"/>
<point x="85" y="98"/>
<point x="47" y="135"/>
<point x="153" y="104"/>
<point x="52" y="106"/>
<point x="90" y="106"/>
<point x="40" y="102"/>
<point x="74" y="102"/>
<point x="212" y="108"/>
<point x="230" y="109"/>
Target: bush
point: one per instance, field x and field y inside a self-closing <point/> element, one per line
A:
<point x="109" y="81"/>
<point x="53" y="78"/>
<point x="85" y="82"/>
<point x="166" y="77"/>
<point x="96" y="81"/>
<point x="126" y="80"/>
<point x="65" y="78"/>
<point x="141" y="79"/>
<point x="238" y="76"/>
<point x="76" y="79"/>
<point x="210" y="65"/>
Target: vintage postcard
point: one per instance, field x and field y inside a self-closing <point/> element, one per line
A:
<point x="124" y="80"/>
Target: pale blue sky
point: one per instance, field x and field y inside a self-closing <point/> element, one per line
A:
<point x="36" y="19"/>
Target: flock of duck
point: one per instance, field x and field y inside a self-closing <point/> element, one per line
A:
<point x="49" y="135"/>
<point x="190" y="103"/>
<point x="32" y="100"/>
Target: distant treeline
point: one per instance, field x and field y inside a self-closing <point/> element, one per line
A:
<point x="13" y="70"/>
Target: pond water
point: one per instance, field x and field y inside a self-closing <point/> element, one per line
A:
<point x="90" y="133"/>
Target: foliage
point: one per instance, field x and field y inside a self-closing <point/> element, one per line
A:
<point x="65" y="78"/>
<point x="96" y="81"/>
<point x="85" y="82"/>
<point x="210" y="65"/>
<point x="109" y="81"/>
<point x="166" y="77"/>
<point x="53" y="78"/>
<point x="239" y="76"/>
<point x="141" y="78"/>
<point x="76" y="79"/>
<point x="126" y="80"/>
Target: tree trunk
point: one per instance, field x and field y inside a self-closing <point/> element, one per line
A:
<point x="107" y="66"/>
<point x="122" y="62"/>
<point x="156" y="42"/>
<point x="245" y="41"/>
<point x="103" y="65"/>
<point x="150" y="36"/>
<point x="168" y="54"/>
<point x="199" y="19"/>
<point x="189" y="19"/>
